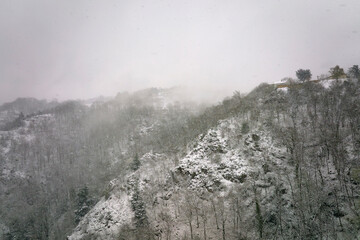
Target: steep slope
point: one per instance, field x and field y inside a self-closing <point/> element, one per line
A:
<point x="48" y="159"/>
<point x="268" y="165"/>
<point x="271" y="165"/>
<point x="217" y="164"/>
<point x="20" y="179"/>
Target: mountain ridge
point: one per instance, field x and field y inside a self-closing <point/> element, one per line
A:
<point x="270" y="164"/>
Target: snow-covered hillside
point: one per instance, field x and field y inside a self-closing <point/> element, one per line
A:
<point x="217" y="163"/>
<point x="13" y="145"/>
<point x="270" y="164"/>
<point x="268" y="168"/>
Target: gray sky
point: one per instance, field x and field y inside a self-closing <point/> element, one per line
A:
<point x="81" y="49"/>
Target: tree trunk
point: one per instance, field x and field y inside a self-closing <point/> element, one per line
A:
<point x="223" y="229"/>
<point x="216" y="219"/>
<point x="191" y="230"/>
<point x="204" y="223"/>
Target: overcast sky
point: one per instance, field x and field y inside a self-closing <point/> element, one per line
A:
<point x="82" y="49"/>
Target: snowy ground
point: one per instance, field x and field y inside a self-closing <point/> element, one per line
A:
<point x="216" y="162"/>
<point x="24" y="135"/>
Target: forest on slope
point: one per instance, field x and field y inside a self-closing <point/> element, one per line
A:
<point x="273" y="165"/>
<point x="49" y="157"/>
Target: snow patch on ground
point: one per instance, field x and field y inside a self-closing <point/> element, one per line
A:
<point x="105" y="219"/>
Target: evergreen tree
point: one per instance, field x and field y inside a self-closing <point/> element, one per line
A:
<point x="337" y="72"/>
<point x="354" y="72"/>
<point x="84" y="203"/>
<point x="136" y="163"/>
<point x="303" y="75"/>
<point x="138" y="206"/>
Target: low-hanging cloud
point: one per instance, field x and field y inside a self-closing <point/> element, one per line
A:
<point x="81" y="49"/>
